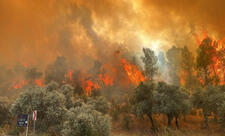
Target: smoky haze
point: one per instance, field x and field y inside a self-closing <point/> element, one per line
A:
<point x="35" y="33"/>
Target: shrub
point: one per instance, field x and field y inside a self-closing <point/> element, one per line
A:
<point x="99" y="103"/>
<point x="48" y="103"/>
<point x="85" y="121"/>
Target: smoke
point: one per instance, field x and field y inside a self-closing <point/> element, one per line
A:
<point x="34" y="33"/>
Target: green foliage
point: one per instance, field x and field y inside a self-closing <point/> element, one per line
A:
<point x="5" y="115"/>
<point x="49" y="105"/>
<point x="85" y="121"/>
<point x="149" y="61"/>
<point x="68" y="91"/>
<point x="221" y="111"/>
<point x="209" y="99"/>
<point x="169" y="99"/>
<point x="99" y="103"/>
<point x="141" y="101"/>
<point x="115" y="110"/>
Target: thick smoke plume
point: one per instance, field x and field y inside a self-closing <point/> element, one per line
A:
<point x="35" y="33"/>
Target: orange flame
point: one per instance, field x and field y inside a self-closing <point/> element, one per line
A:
<point x="106" y="79"/>
<point x="133" y="74"/>
<point x="90" y="86"/>
<point x="183" y="76"/>
<point x="19" y="85"/>
<point x="38" y="82"/>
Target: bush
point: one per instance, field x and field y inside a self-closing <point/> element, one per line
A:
<point x="4" y="111"/>
<point x="222" y="115"/>
<point x="85" y="121"/>
<point x="48" y="103"/>
<point x="99" y="103"/>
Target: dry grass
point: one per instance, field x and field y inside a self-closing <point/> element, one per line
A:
<point x="192" y="126"/>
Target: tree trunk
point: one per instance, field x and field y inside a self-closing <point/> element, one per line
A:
<point x="184" y="117"/>
<point x="215" y="116"/>
<point x="206" y="119"/>
<point x="152" y="122"/>
<point x="206" y="76"/>
<point x="177" y="122"/>
<point x="169" y="120"/>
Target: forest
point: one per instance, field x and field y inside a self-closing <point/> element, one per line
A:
<point x="71" y="102"/>
<point x="112" y="68"/>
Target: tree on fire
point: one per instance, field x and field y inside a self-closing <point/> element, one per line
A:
<point x="204" y="61"/>
<point x="149" y="59"/>
<point x="171" y="101"/>
<point x="142" y="101"/>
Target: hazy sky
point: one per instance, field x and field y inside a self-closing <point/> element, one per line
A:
<point x="34" y="32"/>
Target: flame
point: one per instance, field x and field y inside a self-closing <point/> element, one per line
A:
<point x="183" y="76"/>
<point x="90" y="86"/>
<point x="106" y="79"/>
<point x="38" y="82"/>
<point x="217" y="67"/>
<point x="204" y="35"/>
<point x="133" y="73"/>
<point x="19" y="85"/>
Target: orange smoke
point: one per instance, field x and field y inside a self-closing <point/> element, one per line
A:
<point x="133" y="73"/>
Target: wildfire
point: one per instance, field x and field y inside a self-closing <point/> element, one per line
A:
<point x="89" y="86"/>
<point x="133" y="73"/>
<point x="183" y="76"/>
<point x="19" y="85"/>
<point x="106" y="79"/>
<point x="217" y="67"/>
<point x="38" y="82"/>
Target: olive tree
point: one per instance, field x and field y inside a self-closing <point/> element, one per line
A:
<point x="209" y="99"/>
<point x="84" y="120"/>
<point x="141" y="101"/>
<point x="4" y="110"/>
<point x="99" y="103"/>
<point x="171" y="101"/>
<point x="49" y="104"/>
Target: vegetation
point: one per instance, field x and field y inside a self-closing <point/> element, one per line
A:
<point x="191" y="89"/>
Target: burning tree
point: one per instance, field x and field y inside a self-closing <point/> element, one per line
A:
<point x="205" y="60"/>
